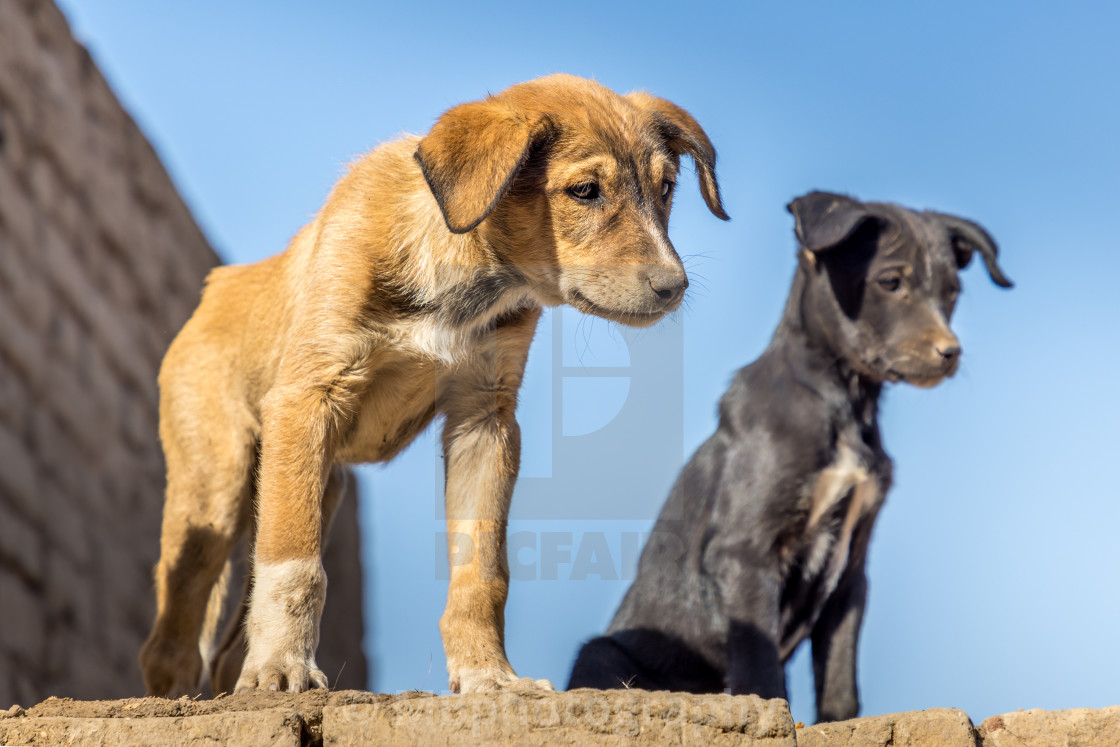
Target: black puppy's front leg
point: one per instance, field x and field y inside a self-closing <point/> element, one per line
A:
<point x="835" y="637"/>
<point x="751" y="594"/>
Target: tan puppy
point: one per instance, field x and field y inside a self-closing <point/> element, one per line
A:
<point x="413" y="293"/>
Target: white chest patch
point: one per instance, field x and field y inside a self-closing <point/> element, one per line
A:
<point x="846" y="476"/>
<point x="835" y="482"/>
<point x="430" y="336"/>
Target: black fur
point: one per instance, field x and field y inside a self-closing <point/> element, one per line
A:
<point x="738" y="571"/>
<point x="464" y="303"/>
<point x="473" y="299"/>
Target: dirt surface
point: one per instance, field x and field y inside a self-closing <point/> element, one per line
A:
<point x="302" y="713"/>
<point x="352" y="717"/>
<point x="309" y="702"/>
<point x="580" y="717"/>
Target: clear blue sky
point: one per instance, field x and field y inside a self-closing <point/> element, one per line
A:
<point x="994" y="564"/>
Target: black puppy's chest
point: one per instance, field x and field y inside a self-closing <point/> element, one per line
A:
<point x="843" y="500"/>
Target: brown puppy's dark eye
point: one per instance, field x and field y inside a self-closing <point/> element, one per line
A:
<point x="587" y="191"/>
<point x="890" y="284"/>
<point x="666" y="190"/>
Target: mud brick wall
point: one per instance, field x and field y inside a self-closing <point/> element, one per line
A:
<point x="100" y="264"/>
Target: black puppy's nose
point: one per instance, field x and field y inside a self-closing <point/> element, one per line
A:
<point x="949" y="352"/>
<point x="668" y="285"/>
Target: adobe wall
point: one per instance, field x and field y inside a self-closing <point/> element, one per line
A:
<point x="100" y="265"/>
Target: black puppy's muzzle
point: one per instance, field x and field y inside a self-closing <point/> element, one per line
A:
<point x="926" y="363"/>
<point x="950" y="355"/>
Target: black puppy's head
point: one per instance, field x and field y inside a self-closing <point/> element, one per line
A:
<point x="882" y="283"/>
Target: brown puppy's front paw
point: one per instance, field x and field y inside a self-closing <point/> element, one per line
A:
<point x="290" y="676"/>
<point x="493" y="680"/>
<point x="282" y="628"/>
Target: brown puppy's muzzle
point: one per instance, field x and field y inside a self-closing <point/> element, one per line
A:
<point x="668" y="285"/>
<point x="634" y="295"/>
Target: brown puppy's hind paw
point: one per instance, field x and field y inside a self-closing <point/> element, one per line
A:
<point x="169" y="672"/>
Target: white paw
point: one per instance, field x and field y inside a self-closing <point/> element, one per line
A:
<point x="282" y="628"/>
<point x="290" y="676"/>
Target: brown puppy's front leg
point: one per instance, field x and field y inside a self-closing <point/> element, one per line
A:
<point x="225" y="664"/>
<point x="482" y="452"/>
<point x="481" y="458"/>
<point x="289" y="584"/>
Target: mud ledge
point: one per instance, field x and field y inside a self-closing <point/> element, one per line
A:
<point x="580" y="717"/>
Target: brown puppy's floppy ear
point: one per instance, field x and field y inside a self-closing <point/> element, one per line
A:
<point x="685" y="135"/>
<point x="968" y="237"/>
<point x="824" y="220"/>
<point x="472" y="155"/>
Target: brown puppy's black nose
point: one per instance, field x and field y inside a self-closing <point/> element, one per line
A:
<point x="949" y="352"/>
<point x="668" y="285"/>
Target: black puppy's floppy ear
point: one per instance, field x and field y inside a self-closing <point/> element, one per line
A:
<point x="968" y="237"/>
<point x="824" y="220"/>
<point x="472" y="155"/>
<point x="684" y="135"/>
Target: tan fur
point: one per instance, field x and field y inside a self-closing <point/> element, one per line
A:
<point x="414" y="292"/>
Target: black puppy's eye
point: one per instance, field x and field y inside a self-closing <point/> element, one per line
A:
<point x="666" y="189"/>
<point x="890" y="284"/>
<point x="586" y="191"/>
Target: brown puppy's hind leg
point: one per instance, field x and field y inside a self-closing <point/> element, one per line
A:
<point x="225" y="664"/>
<point x="205" y="513"/>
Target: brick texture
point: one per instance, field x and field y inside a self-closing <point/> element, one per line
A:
<point x="100" y="261"/>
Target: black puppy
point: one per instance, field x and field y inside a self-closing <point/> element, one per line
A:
<point x="763" y="540"/>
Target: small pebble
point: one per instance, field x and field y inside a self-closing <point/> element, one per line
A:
<point x="13" y="712"/>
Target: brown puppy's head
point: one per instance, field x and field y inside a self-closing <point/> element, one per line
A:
<point x="883" y="283"/>
<point x="573" y="185"/>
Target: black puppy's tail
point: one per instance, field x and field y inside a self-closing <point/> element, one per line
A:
<point x="605" y="665"/>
